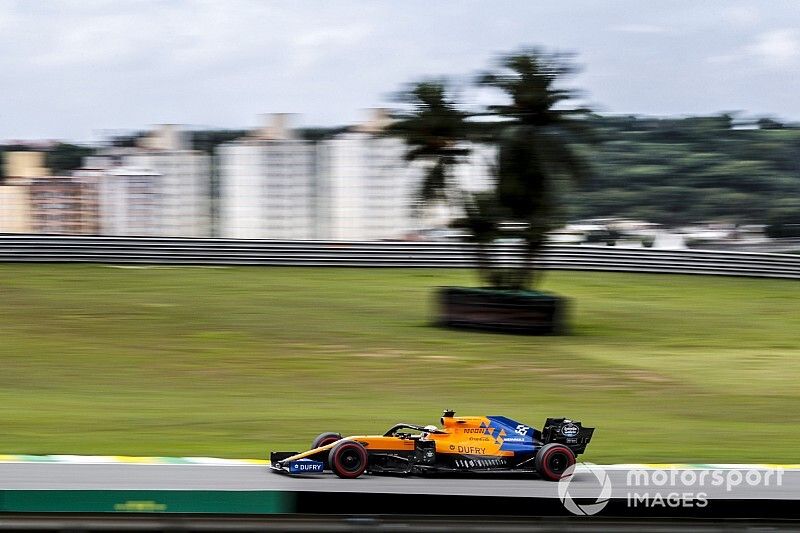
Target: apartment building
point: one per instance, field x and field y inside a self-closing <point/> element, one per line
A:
<point x="64" y="204"/>
<point x="128" y="201"/>
<point x="15" y="209"/>
<point x="20" y="166"/>
<point x="183" y="189"/>
<point x="355" y="185"/>
<point x="267" y="189"/>
<point x="268" y="186"/>
<point x="168" y="185"/>
<point x="476" y="173"/>
<point x="367" y="189"/>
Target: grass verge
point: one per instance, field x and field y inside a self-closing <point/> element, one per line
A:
<point x="232" y="362"/>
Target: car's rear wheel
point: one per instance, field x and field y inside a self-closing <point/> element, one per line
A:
<point x="348" y="459"/>
<point x="323" y="439"/>
<point x="553" y="460"/>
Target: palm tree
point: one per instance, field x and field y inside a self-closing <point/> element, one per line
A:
<point x="534" y="130"/>
<point x="435" y="131"/>
<point x="533" y="133"/>
<point x="433" y="128"/>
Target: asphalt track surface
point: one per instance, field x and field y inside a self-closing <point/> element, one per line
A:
<point x="732" y="484"/>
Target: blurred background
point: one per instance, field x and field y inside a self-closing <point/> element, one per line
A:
<point x="333" y="121"/>
<point x="274" y="112"/>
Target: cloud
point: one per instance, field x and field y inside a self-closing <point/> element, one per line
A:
<point x="311" y="46"/>
<point x="777" y="48"/>
<point x="742" y="15"/>
<point x="723" y="59"/>
<point x="639" y="28"/>
<point x="73" y="67"/>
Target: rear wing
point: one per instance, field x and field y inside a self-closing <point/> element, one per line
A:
<point x="567" y="432"/>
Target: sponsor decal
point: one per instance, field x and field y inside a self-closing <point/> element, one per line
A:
<point x="570" y="430"/>
<point x="476" y="430"/>
<point x="479" y="463"/>
<point x="304" y="466"/>
<point x="470" y="450"/>
<point x="144" y="506"/>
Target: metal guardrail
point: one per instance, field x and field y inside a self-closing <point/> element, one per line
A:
<point x="176" y="251"/>
<point x="781" y="245"/>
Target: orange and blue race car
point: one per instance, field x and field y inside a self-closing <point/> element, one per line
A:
<point x="461" y="444"/>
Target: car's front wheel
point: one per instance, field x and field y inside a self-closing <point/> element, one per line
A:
<point x="348" y="459"/>
<point x="552" y="461"/>
<point x="323" y="439"/>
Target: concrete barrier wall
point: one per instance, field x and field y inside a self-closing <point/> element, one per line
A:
<point x="147" y="501"/>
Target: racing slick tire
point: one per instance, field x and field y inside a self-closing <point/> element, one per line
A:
<point x="552" y="460"/>
<point x="323" y="439"/>
<point x="348" y="459"/>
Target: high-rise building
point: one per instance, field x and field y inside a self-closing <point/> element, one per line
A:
<point x="267" y="186"/>
<point x="367" y="189"/>
<point x="64" y="204"/>
<point x="183" y="189"/>
<point x="352" y="186"/>
<point x="15" y="209"/>
<point x="473" y="173"/>
<point x="177" y="181"/>
<point x="21" y="166"/>
<point x="355" y="185"/>
<point x="267" y="189"/>
<point x="129" y="202"/>
<point x="476" y="172"/>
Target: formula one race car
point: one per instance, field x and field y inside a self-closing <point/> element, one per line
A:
<point x="462" y="444"/>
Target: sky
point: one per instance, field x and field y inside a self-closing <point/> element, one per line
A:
<point x="79" y="69"/>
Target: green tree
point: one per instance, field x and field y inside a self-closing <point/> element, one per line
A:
<point x="533" y="131"/>
<point x="534" y="128"/>
<point x="208" y="140"/>
<point x="687" y="170"/>
<point x="434" y="129"/>
<point x="64" y="157"/>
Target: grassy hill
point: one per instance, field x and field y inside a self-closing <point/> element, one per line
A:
<point x="234" y="361"/>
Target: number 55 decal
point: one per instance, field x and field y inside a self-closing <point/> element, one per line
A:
<point x="522" y="430"/>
